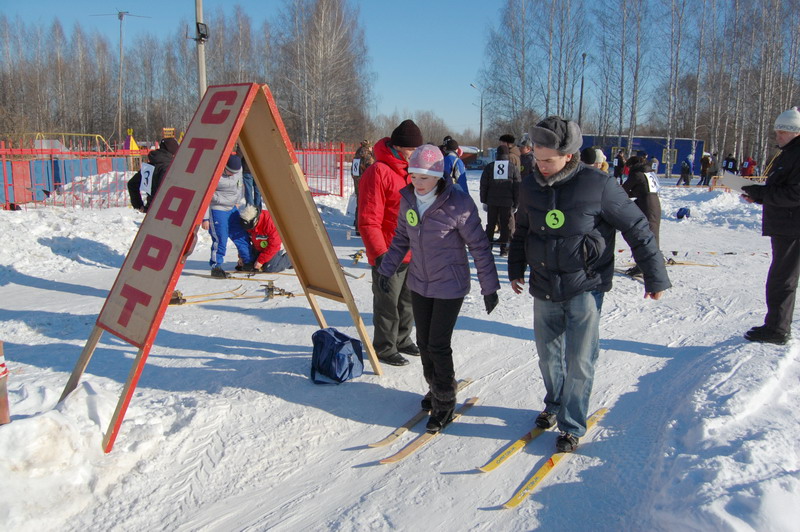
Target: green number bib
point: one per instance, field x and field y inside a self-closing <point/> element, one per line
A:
<point x="412" y="218"/>
<point x="554" y="219"/>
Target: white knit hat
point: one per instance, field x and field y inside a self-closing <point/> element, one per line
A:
<point x="428" y="160"/>
<point x="601" y="157"/>
<point x="788" y="120"/>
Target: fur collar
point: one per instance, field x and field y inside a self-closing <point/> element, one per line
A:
<point x="565" y="173"/>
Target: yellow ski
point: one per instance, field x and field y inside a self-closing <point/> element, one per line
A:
<point x="548" y="466"/>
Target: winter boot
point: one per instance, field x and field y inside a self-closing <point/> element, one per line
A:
<point x="545" y="420"/>
<point x="219" y="273"/>
<point x="427" y="402"/>
<point x="767" y="335"/>
<point x="439" y="419"/>
<point x="566" y="443"/>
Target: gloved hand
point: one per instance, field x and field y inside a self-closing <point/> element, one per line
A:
<point x="378" y="260"/>
<point x="490" y="301"/>
<point x="485" y="207"/>
<point x="383" y="284"/>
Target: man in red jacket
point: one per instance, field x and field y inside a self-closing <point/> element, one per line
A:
<point x="378" y="207"/>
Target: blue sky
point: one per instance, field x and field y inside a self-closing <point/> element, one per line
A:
<point x="424" y="53"/>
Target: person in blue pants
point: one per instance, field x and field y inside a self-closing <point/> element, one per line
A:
<point x="222" y="219"/>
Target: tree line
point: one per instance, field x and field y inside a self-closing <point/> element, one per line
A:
<point x="717" y="70"/>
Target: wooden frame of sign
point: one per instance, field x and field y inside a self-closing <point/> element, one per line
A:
<point x="140" y="295"/>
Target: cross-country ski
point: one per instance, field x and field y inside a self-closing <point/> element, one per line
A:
<point x="416" y="418"/>
<point x="534" y="480"/>
<point x="423" y="439"/>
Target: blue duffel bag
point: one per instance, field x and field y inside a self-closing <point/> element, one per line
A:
<point x="336" y="357"/>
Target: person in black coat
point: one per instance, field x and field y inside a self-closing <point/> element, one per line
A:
<point x="500" y="196"/>
<point x="159" y="161"/>
<point x="566" y="225"/>
<point x="780" y="197"/>
<point x="642" y="185"/>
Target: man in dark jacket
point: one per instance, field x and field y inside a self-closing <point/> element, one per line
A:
<point x="569" y="214"/>
<point x="513" y="151"/>
<point x="526" y="156"/>
<point x="730" y="164"/>
<point x="619" y="166"/>
<point x="780" y="197"/>
<point x="154" y="170"/>
<point x="499" y="195"/>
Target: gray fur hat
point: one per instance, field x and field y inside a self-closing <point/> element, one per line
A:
<point x="558" y="134"/>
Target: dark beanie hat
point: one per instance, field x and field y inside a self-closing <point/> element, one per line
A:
<point x="234" y="164"/>
<point x="451" y="145"/>
<point x="169" y="144"/>
<point x="589" y="156"/>
<point x="558" y="134"/>
<point x="507" y="138"/>
<point x="407" y="135"/>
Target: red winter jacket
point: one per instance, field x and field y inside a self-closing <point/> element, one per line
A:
<point x="379" y="200"/>
<point x="265" y="238"/>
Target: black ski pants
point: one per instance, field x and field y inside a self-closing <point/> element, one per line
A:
<point x="502" y="216"/>
<point x="782" y="283"/>
<point x="435" y="320"/>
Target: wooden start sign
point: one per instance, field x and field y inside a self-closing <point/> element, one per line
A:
<point x="140" y="295"/>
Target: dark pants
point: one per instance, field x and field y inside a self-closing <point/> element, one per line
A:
<point x="782" y="283"/>
<point x="391" y="314"/>
<point x="278" y="263"/>
<point x="435" y="320"/>
<point x="503" y="217"/>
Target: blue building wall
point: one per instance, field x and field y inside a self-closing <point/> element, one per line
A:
<point x="46" y="174"/>
<point x="653" y="146"/>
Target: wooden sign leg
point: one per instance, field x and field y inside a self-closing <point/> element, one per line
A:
<point x="83" y="361"/>
<point x="125" y="399"/>
<point x="312" y="300"/>
<point x="365" y="339"/>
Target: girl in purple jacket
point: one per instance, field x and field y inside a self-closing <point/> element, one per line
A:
<point x="438" y="222"/>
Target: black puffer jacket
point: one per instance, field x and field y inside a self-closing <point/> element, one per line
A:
<point x="642" y="189"/>
<point x="565" y="233"/>
<point x="160" y="159"/>
<point x="500" y="192"/>
<point x="780" y="194"/>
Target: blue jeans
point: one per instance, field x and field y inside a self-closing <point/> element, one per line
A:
<point x="252" y="196"/>
<point x="568" y="342"/>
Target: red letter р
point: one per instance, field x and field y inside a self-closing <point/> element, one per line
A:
<point x="198" y="145"/>
<point x="211" y="117"/>
<point x="132" y="297"/>
<point x="156" y="261"/>
<point x="182" y="198"/>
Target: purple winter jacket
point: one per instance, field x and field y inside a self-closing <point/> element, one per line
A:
<point x="439" y="267"/>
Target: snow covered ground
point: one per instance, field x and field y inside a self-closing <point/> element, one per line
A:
<point x="226" y="431"/>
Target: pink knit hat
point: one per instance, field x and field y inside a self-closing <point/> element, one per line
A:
<point x="428" y="160"/>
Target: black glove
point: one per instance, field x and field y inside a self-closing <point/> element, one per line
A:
<point x="378" y="260"/>
<point x="490" y="301"/>
<point x="383" y="284"/>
